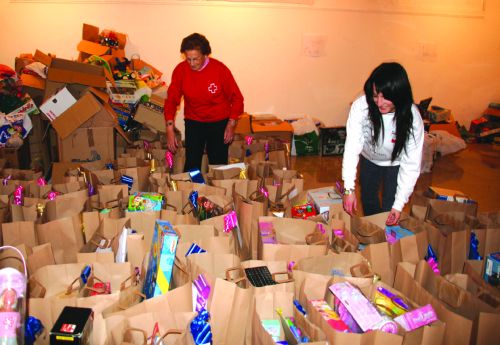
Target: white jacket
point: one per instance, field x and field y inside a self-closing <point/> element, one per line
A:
<point x="358" y="141"/>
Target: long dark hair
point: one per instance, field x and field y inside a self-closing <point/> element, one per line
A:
<point x="391" y="80"/>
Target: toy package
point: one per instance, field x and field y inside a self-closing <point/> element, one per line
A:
<point x="161" y="259"/>
<point x="140" y="201"/>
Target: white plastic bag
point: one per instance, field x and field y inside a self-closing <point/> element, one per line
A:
<point x="448" y="143"/>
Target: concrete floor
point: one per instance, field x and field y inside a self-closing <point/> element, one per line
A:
<point x="475" y="171"/>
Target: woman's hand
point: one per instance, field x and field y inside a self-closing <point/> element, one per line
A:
<point x="393" y="218"/>
<point x="350" y="203"/>
<point x="229" y="131"/>
<point x="172" y="143"/>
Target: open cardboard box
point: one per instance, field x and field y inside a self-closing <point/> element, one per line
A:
<point x="90" y="45"/>
<point x="33" y="85"/>
<point x="150" y="114"/>
<point x="86" y="129"/>
<point x="80" y="76"/>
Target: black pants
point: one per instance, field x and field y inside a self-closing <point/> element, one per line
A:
<point x="372" y="177"/>
<point x="205" y="134"/>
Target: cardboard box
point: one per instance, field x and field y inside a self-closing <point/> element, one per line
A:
<point x="73" y="326"/>
<point x="123" y="91"/>
<point x="332" y="140"/>
<point x="448" y="195"/>
<point x="86" y="129"/>
<point x="161" y="259"/>
<point x="57" y="104"/>
<point x="90" y="44"/>
<point x="80" y="76"/>
<point x="88" y="145"/>
<point x="492" y="270"/>
<point x="150" y="114"/>
<point x="323" y="198"/>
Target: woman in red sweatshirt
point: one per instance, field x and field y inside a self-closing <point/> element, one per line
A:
<point x="212" y="104"/>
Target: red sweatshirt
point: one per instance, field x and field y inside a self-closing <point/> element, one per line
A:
<point x="210" y="95"/>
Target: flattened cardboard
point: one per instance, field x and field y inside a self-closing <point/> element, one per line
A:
<point x="76" y="115"/>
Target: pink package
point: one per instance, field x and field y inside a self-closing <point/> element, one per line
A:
<point x="329" y="315"/>
<point x="358" y="313"/>
<point x="417" y="318"/>
<point x="266" y="230"/>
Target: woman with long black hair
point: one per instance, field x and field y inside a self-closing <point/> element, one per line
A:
<point x="386" y="129"/>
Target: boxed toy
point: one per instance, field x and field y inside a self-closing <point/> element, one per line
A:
<point x="492" y="271"/>
<point x="323" y="198"/>
<point x="73" y="326"/>
<point x="161" y="259"/>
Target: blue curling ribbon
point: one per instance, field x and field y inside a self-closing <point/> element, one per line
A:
<point x="200" y="328"/>
<point x="193" y="198"/>
<point x="473" y="249"/>
<point x="84" y="276"/>
<point x="109" y="166"/>
<point x="431" y="254"/>
<point x="129" y="181"/>
<point x="33" y="328"/>
<point x="248" y="153"/>
<point x="91" y="189"/>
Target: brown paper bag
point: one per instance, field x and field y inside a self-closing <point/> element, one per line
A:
<point x="459" y="329"/>
<point x="230" y="312"/>
<point x="366" y="231"/>
<point x="65" y="235"/>
<point x="29" y="212"/>
<point x="265" y="307"/>
<point x="66" y="205"/>
<point x="140" y="176"/>
<point x="342" y="264"/>
<point x="248" y="213"/>
<point x="47" y="310"/>
<point x="137" y="329"/>
<point x="62" y="280"/>
<point x="144" y="223"/>
<point x="19" y="232"/>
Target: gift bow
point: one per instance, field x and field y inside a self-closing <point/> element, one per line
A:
<point x="200" y="328"/>
<point x="230" y="221"/>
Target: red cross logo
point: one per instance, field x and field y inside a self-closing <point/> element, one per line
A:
<point x="212" y="88"/>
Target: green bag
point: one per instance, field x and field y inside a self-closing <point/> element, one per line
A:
<point x="306" y="144"/>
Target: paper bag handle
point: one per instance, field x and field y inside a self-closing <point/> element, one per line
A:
<point x="289" y="280"/>
<point x="166" y="204"/>
<point x="309" y="241"/>
<point x="449" y="293"/>
<point x="237" y="280"/>
<point x="179" y="265"/>
<point x="133" y="281"/>
<point x="361" y="270"/>
<point x="132" y="329"/>
<point x="20" y="255"/>
<point x="43" y="290"/>
<point x="170" y="332"/>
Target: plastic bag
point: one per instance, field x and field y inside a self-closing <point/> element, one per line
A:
<point x="448" y="143"/>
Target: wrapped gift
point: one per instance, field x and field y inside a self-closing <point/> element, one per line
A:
<point x="161" y="259"/>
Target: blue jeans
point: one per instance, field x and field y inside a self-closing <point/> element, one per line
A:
<point x="372" y="178"/>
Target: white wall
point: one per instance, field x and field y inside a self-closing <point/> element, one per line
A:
<point x="455" y="59"/>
